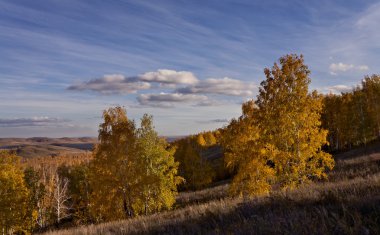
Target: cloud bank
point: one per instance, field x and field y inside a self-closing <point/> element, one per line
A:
<point x="185" y="88"/>
<point x="169" y="76"/>
<point x="120" y="84"/>
<point x="112" y="84"/>
<point x="223" y="86"/>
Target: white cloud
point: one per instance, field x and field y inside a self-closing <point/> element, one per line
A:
<point x="168" y="99"/>
<point x="337" y="89"/>
<point x="194" y="91"/>
<point x="169" y="76"/>
<point x="341" y="67"/>
<point x="120" y="84"/>
<point x="221" y="86"/>
<point x="362" y="67"/>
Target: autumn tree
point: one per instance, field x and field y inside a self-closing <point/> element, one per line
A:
<point x="362" y="131"/>
<point x="289" y="122"/>
<point x="132" y="171"/>
<point x="282" y="130"/>
<point x="332" y="118"/>
<point x="210" y="138"/>
<point x="13" y="194"/>
<point x="156" y="168"/>
<point x="112" y="173"/>
<point x="200" y="140"/>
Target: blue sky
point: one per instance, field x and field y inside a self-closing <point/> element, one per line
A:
<point x="188" y="63"/>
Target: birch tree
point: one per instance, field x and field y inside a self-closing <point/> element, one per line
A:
<point x="279" y="137"/>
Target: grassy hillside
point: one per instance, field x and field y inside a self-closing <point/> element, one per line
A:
<point x="348" y="203"/>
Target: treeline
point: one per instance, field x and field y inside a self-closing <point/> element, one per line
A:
<point x="353" y="118"/>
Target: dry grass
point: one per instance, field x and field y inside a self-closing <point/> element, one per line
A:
<point x="349" y="203"/>
<point x="202" y="196"/>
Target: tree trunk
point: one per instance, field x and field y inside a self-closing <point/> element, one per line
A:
<point x="127" y="206"/>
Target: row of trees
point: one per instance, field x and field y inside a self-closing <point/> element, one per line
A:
<point x="41" y="192"/>
<point x="353" y="118"/>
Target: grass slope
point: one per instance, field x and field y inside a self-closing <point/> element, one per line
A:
<point x="348" y="203"/>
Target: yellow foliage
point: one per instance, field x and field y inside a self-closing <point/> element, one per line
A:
<point x="253" y="178"/>
<point x="289" y="120"/>
<point x="196" y="170"/>
<point x="132" y="171"/>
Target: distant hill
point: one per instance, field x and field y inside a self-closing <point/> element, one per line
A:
<point x="43" y="146"/>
